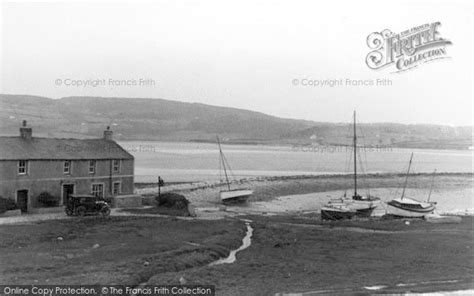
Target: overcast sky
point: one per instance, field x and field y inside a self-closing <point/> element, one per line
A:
<point x="244" y="54"/>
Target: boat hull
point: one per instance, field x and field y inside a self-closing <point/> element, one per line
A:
<point x="365" y="212"/>
<point x="235" y="196"/>
<point x="362" y="208"/>
<point x="398" y="210"/>
<point x="328" y="213"/>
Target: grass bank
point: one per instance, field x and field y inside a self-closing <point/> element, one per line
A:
<point x="112" y="250"/>
<point x="292" y="254"/>
<point x="288" y="253"/>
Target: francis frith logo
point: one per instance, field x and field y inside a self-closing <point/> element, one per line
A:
<point x="408" y="49"/>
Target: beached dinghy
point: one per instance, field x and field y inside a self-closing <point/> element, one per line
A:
<point x="409" y="207"/>
<point x="235" y="195"/>
<point x="231" y="195"/>
<point x="337" y="212"/>
<point x="361" y="206"/>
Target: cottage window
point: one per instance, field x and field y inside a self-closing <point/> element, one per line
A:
<point x="22" y="167"/>
<point x="116" y="165"/>
<point x="67" y="167"/>
<point x="98" y="190"/>
<point x="91" y="166"/>
<point x="116" y="188"/>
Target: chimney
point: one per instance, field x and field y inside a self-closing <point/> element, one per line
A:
<point x="108" y="134"/>
<point x="26" y="132"/>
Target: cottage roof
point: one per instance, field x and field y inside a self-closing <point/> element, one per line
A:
<point x="18" y="148"/>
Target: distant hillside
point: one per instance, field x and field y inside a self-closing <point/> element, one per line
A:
<point x="393" y="135"/>
<point x="158" y="119"/>
<point x="141" y="119"/>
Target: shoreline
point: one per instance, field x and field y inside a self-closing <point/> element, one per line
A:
<point x="299" y="177"/>
<point x="290" y="143"/>
<point x="269" y="188"/>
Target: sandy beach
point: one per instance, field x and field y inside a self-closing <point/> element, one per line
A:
<point x="307" y="193"/>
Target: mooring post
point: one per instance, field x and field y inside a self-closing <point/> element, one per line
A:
<point x="160" y="183"/>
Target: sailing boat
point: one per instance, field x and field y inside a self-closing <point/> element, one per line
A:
<point x="358" y="205"/>
<point x="409" y="207"/>
<point x="231" y="195"/>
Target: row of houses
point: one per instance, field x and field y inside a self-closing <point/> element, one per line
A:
<point x="31" y="165"/>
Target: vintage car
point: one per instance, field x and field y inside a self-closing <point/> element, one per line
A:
<point x="81" y="205"/>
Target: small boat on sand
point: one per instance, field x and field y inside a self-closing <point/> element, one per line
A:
<point x="408" y="207"/>
<point x="229" y="196"/>
<point x="235" y="195"/>
<point x="363" y="206"/>
<point x="358" y="205"/>
<point x="337" y="212"/>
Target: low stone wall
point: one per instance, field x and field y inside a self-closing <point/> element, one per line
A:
<point x="127" y="201"/>
<point x="47" y="210"/>
<point x="11" y="213"/>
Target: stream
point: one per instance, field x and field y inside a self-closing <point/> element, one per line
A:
<point x="246" y="242"/>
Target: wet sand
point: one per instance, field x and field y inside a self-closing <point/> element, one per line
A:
<point x="453" y="192"/>
<point x="449" y="201"/>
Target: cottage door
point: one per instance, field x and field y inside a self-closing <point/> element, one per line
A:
<point x="68" y="189"/>
<point x="22" y="200"/>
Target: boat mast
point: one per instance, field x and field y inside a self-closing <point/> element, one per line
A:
<point x="355" y="156"/>
<point x="431" y="187"/>
<point x="406" y="178"/>
<point x="223" y="162"/>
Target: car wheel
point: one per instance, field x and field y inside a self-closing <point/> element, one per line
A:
<point x="69" y="212"/>
<point x="105" y="211"/>
<point x="81" y="211"/>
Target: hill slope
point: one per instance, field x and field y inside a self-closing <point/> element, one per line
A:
<point x="158" y="119"/>
<point x="144" y="119"/>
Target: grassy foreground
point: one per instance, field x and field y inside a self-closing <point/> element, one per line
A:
<point x="291" y="254"/>
<point x="112" y="250"/>
<point x="287" y="254"/>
